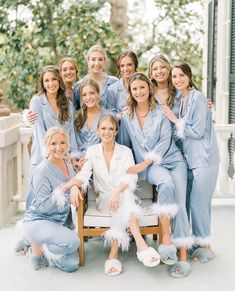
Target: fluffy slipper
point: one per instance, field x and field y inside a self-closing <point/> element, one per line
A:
<point x="180" y="269"/>
<point x="113" y="263"/>
<point x="22" y="247"/>
<point x="147" y="255"/>
<point x="168" y="254"/>
<point x="38" y="262"/>
<point x="201" y="255"/>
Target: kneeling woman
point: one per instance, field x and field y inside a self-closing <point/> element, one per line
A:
<point x="108" y="161"/>
<point x="52" y="243"/>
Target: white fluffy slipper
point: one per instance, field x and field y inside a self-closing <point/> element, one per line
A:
<point x="147" y="255"/>
<point x="113" y="263"/>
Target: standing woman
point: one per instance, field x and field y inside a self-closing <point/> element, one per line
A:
<point x="159" y="161"/>
<point x="108" y="162"/>
<point x="52" y="108"/>
<point x="69" y="71"/>
<point x="52" y="242"/>
<point x="194" y="127"/>
<point x="88" y="115"/>
<point x="117" y="94"/>
<point x="96" y="60"/>
<point x="165" y="94"/>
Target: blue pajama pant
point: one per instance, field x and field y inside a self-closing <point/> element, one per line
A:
<point x="200" y="189"/>
<point x="59" y="240"/>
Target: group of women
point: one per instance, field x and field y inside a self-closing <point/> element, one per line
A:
<point x="156" y="128"/>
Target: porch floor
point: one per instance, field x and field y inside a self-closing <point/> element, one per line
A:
<point x="217" y="275"/>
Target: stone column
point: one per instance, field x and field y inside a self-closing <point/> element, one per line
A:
<point x="9" y="137"/>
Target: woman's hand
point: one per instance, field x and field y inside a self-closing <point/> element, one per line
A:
<point x="72" y="182"/>
<point x="209" y="103"/>
<point x="78" y="164"/>
<point x="32" y="117"/>
<point x="75" y="195"/>
<point x="138" y="168"/>
<point x="114" y="200"/>
<point x="169" y="113"/>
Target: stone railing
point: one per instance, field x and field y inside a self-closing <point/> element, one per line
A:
<point x="225" y="185"/>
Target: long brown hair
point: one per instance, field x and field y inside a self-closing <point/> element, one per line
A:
<point x="81" y="115"/>
<point x="186" y="70"/>
<point x="61" y="99"/>
<point x="171" y="89"/>
<point x="129" y="54"/>
<point x="68" y="59"/>
<point x="131" y="102"/>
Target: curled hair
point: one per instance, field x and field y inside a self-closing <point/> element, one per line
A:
<point x="109" y="117"/>
<point x="61" y="99"/>
<point x="51" y="132"/>
<point x="171" y="89"/>
<point x="129" y="54"/>
<point x="68" y="59"/>
<point x="81" y="115"/>
<point x="96" y="48"/>
<point x="131" y="102"/>
<point x="186" y="70"/>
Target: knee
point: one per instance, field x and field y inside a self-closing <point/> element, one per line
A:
<point x="71" y="264"/>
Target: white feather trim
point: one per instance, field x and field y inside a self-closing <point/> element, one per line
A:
<point x="24" y="117"/>
<point x="169" y="210"/>
<point x="156" y="158"/>
<point x="129" y="180"/>
<point x="84" y="180"/>
<point x="117" y="234"/>
<point x="180" y="127"/>
<point x="202" y="241"/>
<point x="185" y="242"/>
<point x="75" y="155"/>
<point x="50" y="256"/>
<point x="59" y="198"/>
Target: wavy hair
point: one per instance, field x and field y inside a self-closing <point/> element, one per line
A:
<point x="129" y="54"/>
<point x="186" y="70"/>
<point x="171" y="89"/>
<point x="68" y="59"/>
<point x="131" y="102"/>
<point x="81" y="115"/>
<point x="61" y="99"/>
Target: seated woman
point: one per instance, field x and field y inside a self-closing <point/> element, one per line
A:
<point x="108" y="161"/>
<point x="43" y="224"/>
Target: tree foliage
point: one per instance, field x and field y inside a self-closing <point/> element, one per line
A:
<point x="51" y="30"/>
<point x="176" y="32"/>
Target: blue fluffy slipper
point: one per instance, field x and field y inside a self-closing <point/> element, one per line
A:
<point x="168" y="254"/>
<point x="22" y="247"/>
<point x="201" y="255"/>
<point x="180" y="269"/>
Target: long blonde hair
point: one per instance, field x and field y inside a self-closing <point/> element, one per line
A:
<point x="81" y="115"/>
<point x="170" y="88"/>
<point x="131" y="103"/>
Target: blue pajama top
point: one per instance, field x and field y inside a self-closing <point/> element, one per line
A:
<point x="43" y="185"/>
<point x="109" y="80"/>
<point x="47" y="118"/>
<point x="89" y="136"/>
<point x="117" y="97"/>
<point x="199" y="141"/>
<point x="155" y="136"/>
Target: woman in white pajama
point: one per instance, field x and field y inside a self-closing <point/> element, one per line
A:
<point x="194" y="127"/>
<point x="52" y="243"/>
<point x="108" y="162"/>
